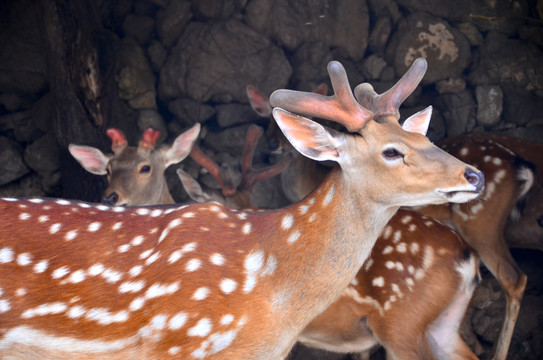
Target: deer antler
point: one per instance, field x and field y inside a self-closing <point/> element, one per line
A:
<point x="148" y="139"/>
<point x="207" y="163"/>
<point x="388" y="103"/>
<point x="341" y="107"/>
<point x="118" y="141"/>
<point x="249" y="175"/>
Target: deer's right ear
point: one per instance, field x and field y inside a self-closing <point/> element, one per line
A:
<point x="308" y="137"/>
<point x="92" y="159"/>
<point x="181" y="147"/>
<point x="191" y="186"/>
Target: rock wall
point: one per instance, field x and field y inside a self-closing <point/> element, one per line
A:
<point x="181" y="62"/>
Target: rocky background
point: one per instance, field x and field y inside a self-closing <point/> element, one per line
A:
<point x="71" y="69"/>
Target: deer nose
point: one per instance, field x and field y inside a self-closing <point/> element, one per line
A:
<point x="110" y="199"/>
<point x="475" y="178"/>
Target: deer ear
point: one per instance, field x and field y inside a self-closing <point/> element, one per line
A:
<point x="181" y="147"/>
<point x="259" y="102"/>
<point x="308" y="137"/>
<point x="191" y="186"/>
<point x="92" y="159"/>
<point x="418" y="122"/>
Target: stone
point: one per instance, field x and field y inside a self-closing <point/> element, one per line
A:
<point x="138" y="27"/>
<point x="234" y="114"/>
<point x="149" y="118"/>
<point x="489" y="104"/>
<point x="27" y="186"/>
<point x="373" y="66"/>
<point x="291" y="23"/>
<point x="42" y="155"/>
<point x="451" y="86"/>
<point x="171" y="21"/>
<point x="188" y="111"/>
<point x="135" y="79"/>
<point x="235" y="55"/>
<point x="157" y="54"/>
<point x="13" y="166"/>
<point x="444" y="47"/>
<point x="459" y="112"/>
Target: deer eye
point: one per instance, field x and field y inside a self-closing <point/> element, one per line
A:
<point x="145" y="169"/>
<point x="391" y="154"/>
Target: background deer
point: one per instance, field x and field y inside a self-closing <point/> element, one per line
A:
<point x="202" y="280"/>
<point x="500" y="158"/>
<point x="136" y="174"/>
<point x="232" y="193"/>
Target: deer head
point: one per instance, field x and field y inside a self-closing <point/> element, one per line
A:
<point x="136" y="174"/>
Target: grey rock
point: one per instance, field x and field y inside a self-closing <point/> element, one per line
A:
<point x="157" y="54"/>
<point x="291" y="23"/>
<point x="135" y="78"/>
<point x="459" y="111"/>
<point x="451" y="86"/>
<point x="171" y="21"/>
<point x="216" y="9"/>
<point x="139" y="27"/>
<point x="489" y="104"/>
<point x="444" y="47"/>
<point x="11" y="160"/>
<point x="189" y="112"/>
<point x="234" y="55"/>
<point x="27" y="186"/>
<point x="373" y="66"/>
<point x="234" y="114"/>
<point x="42" y="155"/>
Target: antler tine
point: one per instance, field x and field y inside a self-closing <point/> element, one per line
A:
<point x="149" y="138"/>
<point x="207" y="163"/>
<point x="342" y="107"/>
<point x="388" y="103"/>
<point x="118" y="141"/>
<point x="250" y="176"/>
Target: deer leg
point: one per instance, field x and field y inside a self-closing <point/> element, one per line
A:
<point x="497" y="258"/>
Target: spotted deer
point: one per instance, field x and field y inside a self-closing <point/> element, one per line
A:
<point x="136" y="174"/>
<point x="204" y="281"/>
<point x="512" y="167"/>
<point x="406" y="280"/>
<point x="420" y="274"/>
<point x="234" y="194"/>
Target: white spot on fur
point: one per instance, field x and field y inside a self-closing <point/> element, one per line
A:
<point x="6" y="255"/>
<point x="152" y="258"/>
<point x="401" y="248"/>
<point x="41" y="266"/>
<point x="96" y="269"/>
<point x="217" y="259"/>
<point x="146" y="254"/>
<point x="24" y="216"/>
<point x="45" y="309"/>
<point x="464" y="151"/>
<point x="70" y="235"/>
<point x="157" y="290"/>
<point x="246" y="228"/>
<point x="253" y="263"/>
<point x="193" y="265"/>
<point x="227" y="319"/>
<point x="388" y="249"/>
<point x="131" y="286"/>
<point x="174" y="350"/>
<point x="54" y="228"/>
<point x="287" y="222"/>
<point x="137" y="240"/>
<point x="95" y="226"/>
<point x="177" y="321"/>
<point x="294" y="236"/>
<point x="378" y="281"/>
<point x="111" y="276"/>
<point x="414" y="248"/>
<point x="228" y="285"/>
<point x="143" y="211"/>
<point x="329" y="195"/>
<point x="136" y="270"/>
<point x="201" y="293"/>
<point x="43" y="218"/>
<point x="387" y="232"/>
<point x="60" y="272"/>
<point x="23" y="259"/>
<point x="136" y="304"/>
<point x="117" y="225"/>
<point x="202" y="328"/>
<point x="4" y="306"/>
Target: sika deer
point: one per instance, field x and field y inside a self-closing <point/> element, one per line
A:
<point x="83" y="280"/>
<point x="235" y="196"/>
<point x="482" y="223"/>
<point x="406" y="280"/>
<point x="136" y="174"/>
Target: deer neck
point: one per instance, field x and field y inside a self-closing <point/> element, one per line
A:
<point x="328" y="235"/>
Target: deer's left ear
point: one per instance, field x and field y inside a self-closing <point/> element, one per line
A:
<point x="181" y="147"/>
<point x="418" y="122"/>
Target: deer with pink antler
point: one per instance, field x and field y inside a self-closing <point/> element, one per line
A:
<point x="136" y="174"/>
<point x="232" y="194"/>
<point x="511" y="164"/>
<point x="205" y="281"/>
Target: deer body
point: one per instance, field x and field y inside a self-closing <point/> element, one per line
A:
<point x="203" y="281"/>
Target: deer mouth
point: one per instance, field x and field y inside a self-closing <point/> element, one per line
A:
<point x="459" y="196"/>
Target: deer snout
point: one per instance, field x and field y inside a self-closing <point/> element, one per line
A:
<point x="475" y="178"/>
<point x="110" y="199"/>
